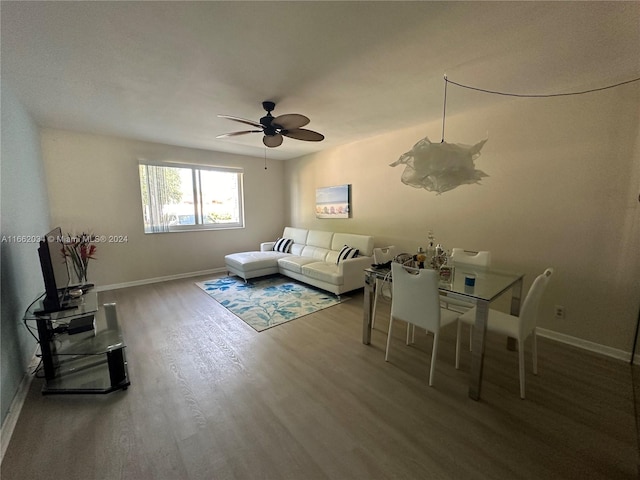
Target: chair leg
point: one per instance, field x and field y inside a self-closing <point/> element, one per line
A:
<point x="375" y="304"/>
<point x="521" y="366"/>
<point x="470" y="338"/>
<point x="458" y="332"/>
<point x="434" y="354"/>
<point x="535" y="353"/>
<point x="411" y="333"/>
<point x="386" y="352"/>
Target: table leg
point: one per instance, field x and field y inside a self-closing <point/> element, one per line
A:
<point x="369" y="295"/>
<point x="516" y="295"/>
<point x="477" y="355"/>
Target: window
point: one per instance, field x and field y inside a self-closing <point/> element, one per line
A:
<point x="178" y="197"/>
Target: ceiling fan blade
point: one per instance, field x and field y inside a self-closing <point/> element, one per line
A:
<point x="272" y="140"/>
<point x="241" y="120"/>
<point x="290" y="120"/>
<point x="235" y="134"/>
<point x="303" y="134"/>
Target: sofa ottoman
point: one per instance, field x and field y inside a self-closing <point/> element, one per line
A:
<point x="248" y="265"/>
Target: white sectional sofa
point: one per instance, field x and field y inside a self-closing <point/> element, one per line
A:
<point x="312" y="259"/>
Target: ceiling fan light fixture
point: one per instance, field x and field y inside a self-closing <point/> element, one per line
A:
<point x="272" y="140"/>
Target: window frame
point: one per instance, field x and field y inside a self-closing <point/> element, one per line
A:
<point x="198" y="205"/>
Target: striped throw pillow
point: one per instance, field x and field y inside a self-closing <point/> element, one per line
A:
<point x="346" y="253"/>
<point x="283" y="245"/>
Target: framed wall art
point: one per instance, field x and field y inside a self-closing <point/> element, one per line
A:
<point x="333" y="202"/>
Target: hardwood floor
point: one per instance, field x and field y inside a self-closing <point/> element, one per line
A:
<point x="210" y="398"/>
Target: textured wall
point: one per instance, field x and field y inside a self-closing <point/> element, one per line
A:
<point x="24" y="213"/>
<point x="562" y="191"/>
<point x="94" y="185"/>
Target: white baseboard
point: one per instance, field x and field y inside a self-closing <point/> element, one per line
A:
<point x="11" y="419"/>
<point x="147" y="281"/>
<point x="587" y="345"/>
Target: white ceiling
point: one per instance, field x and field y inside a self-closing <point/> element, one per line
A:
<point x="162" y="71"/>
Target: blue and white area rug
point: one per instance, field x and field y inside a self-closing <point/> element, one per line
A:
<point x="268" y="301"/>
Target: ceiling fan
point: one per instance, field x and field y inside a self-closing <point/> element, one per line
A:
<point x="274" y="128"/>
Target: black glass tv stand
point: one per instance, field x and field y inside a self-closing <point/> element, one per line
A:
<point x="81" y="360"/>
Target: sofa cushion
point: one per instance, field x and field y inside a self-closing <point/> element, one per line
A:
<point x="324" y="271"/>
<point x="318" y="238"/>
<point x="317" y="253"/>
<point x="363" y="243"/>
<point x="296" y="248"/>
<point x="283" y="245"/>
<point x="298" y="235"/>
<point x="346" y="253"/>
<point x="294" y="263"/>
<point x="332" y="257"/>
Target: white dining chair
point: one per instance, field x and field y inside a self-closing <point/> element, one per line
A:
<point x="383" y="285"/>
<point x="520" y="327"/>
<point x="461" y="258"/>
<point x="415" y="300"/>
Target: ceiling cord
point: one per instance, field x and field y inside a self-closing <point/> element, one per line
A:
<point x="493" y="92"/>
<point x="444" y="107"/>
<point x="538" y="95"/>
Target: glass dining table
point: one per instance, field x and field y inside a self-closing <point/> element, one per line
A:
<point x="489" y="285"/>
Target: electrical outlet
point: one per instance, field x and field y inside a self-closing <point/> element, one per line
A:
<point x="560" y="312"/>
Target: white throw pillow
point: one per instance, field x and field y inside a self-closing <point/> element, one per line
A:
<point x="346" y="253"/>
<point x="283" y="245"/>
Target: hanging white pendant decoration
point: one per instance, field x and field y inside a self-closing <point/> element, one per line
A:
<point x="440" y="167"/>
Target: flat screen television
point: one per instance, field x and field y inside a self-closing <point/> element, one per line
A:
<point x="55" y="272"/>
